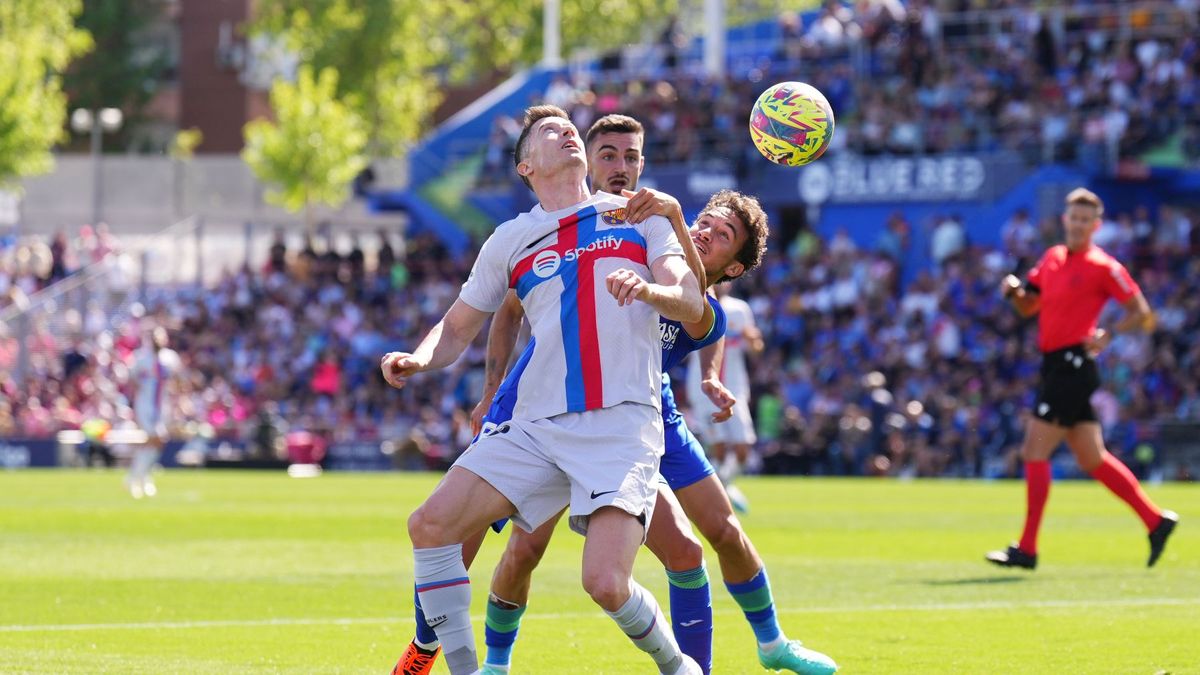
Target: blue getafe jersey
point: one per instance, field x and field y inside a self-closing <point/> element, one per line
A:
<point x="676" y="345"/>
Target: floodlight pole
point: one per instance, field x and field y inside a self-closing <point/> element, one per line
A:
<point x="714" y="38"/>
<point x="97" y="149"/>
<point x="552" y="33"/>
<point x="95" y="122"/>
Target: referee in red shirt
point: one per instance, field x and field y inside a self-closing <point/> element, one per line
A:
<point x="1067" y="289"/>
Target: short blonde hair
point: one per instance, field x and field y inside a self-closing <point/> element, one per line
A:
<point x="1085" y="197"/>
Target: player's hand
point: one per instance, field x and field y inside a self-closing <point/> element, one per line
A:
<point x="397" y="367"/>
<point x="1009" y="285"/>
<point x="1097" y="342"/>
<point x="477" y="414"/>
<point x="646" y="202"/>
<point x="626" y="286"/>
<point x="721" y="397"/>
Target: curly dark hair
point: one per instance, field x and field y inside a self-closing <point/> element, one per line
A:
<point x="751" y="213"/>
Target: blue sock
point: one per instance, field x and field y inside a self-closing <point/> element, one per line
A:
<point x="691" y="614"/>
<point x="425" y="634"/>
<point x="754" y="597"/>
<point x="500" y="632"/>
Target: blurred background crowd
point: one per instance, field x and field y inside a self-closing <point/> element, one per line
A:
<point x="910" y="79"/>
<point x="862" y="373"/>
<point x="887" y="356"/>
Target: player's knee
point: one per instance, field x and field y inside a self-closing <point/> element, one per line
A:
<point x="683" y="553"/>
<point x="725" y="535"/>
<point x="607" y="587"/>
<point x="1028" y="453"/>
<point x="1090" y="462"/>
<point x="524" y="554"/>
<point x="425" y="529"/>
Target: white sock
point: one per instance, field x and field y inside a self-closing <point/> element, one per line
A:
<point x="642" y="620"/>
<point x="139" y="468"/>
<point x="773" y="644"/>
<point x="445" y="591"/>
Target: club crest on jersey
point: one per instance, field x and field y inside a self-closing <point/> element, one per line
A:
<point x="546" y="263"/>
<point x="614" y="217"/>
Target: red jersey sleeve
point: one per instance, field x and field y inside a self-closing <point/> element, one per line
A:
<point x="1035" y="275"/>
<point x="1119" y="285"/>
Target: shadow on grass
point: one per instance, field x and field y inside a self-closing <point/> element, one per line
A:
<point x="974" y="581"/>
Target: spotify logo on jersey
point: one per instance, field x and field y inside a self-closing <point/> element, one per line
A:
<point x="546" y="263"/>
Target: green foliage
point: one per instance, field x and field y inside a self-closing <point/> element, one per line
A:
<point x="126" y="66"/>
<point x="394" y="56"/>
<point x="507" y="32"/>
<point x="38" y="39"/>
<point x="748" y="11"/>
<point x="313" y="149"/>
<point x="183" y="146"/>
<point x="380" y="51"/>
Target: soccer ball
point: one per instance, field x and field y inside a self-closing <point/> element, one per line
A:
<point x="791" y="123"/>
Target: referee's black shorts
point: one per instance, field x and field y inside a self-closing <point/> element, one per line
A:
<point x="1069" y="377"/>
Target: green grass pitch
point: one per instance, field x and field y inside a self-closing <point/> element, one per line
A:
<point x="256" y="573"/>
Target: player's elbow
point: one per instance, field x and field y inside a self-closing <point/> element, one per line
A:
<point x="510" y="313"/>
<point x="694" y="309"/>
<point x="1143" y="318"/>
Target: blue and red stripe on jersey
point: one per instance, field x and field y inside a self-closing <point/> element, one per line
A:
<point x="577" y="308"/>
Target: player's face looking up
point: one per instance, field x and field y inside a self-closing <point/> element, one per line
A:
<point x="1080" y="222"/>
<point x="553" y="145"/>
<point x="616" y="161"/>
<point x="719" y="234"/>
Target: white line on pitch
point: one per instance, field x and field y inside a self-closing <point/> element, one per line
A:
<point x="336" y="621"/>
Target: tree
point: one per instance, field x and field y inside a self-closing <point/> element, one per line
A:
<point x="38" y="39"/>
<point x="125" y="68"/>
<point x="381" y="54"/>
<point x="313" y="149"/>
<point x="509" y="32"/>
<point x="393" y="57"/>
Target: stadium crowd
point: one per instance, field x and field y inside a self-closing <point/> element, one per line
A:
<point x="861" y="374"/>
<point x="930" y="78"/>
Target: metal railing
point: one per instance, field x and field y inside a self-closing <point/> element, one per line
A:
<point x="1069" y="23"/>
<point x="95" y="298"/>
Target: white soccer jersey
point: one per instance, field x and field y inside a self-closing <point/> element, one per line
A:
<point x="734" y="375"/>
<point x="152" y="370"/>
<point x="590" y="353"/>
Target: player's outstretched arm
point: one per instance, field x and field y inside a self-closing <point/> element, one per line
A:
<point x="647" y="202"/>
<point x="441" y="346"/>
<point x="502" y="339"/>
<point x="674" y="293"/>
